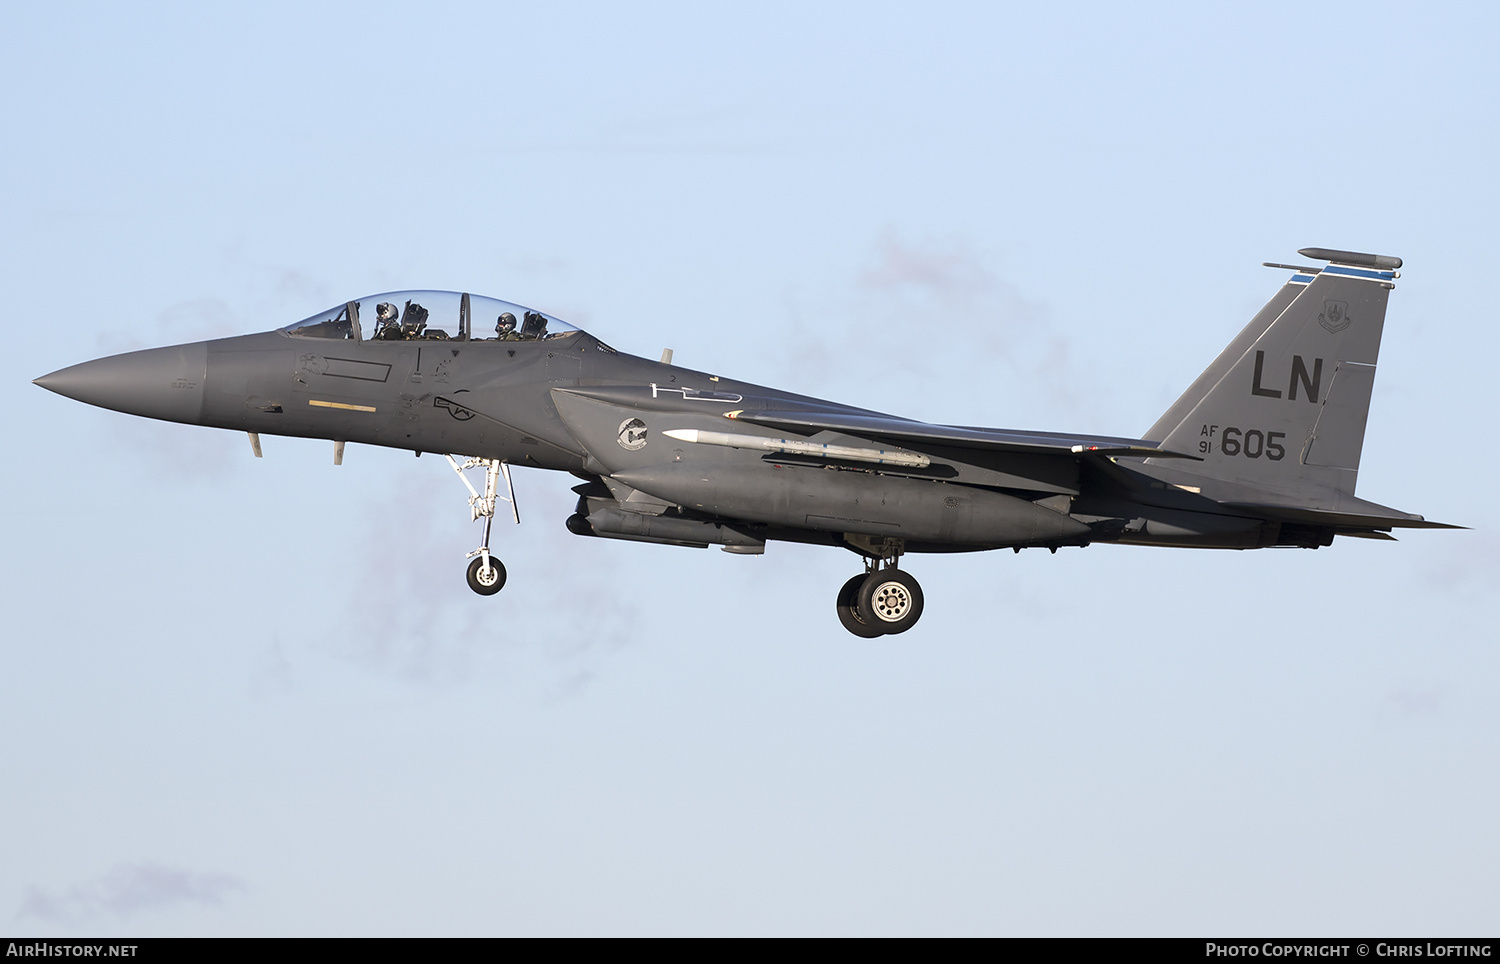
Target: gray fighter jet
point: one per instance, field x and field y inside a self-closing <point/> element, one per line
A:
<point x="1262" y="450"/>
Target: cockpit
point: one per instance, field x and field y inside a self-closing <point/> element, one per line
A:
<point x="432" y="316"/>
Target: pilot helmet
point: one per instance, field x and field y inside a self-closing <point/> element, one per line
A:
<point x="506" y="322"/>
<point x="385" y="311"/>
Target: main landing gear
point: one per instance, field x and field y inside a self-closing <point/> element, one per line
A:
<point x="883" y="600"/>
<point x="486" y="573"/>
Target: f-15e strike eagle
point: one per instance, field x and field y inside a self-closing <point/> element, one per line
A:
<point x="1262" y="450"/>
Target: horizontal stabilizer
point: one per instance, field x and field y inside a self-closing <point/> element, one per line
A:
<point x="915" y="433"/>
<point x="1351" y="520"/>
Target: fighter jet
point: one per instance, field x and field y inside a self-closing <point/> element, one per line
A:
<point x="1262" y="450"/>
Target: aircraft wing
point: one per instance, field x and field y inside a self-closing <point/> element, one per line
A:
<point x="907" y="432"/>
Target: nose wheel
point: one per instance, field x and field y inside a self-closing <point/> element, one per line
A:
<point x="486" y="574"/>
<point x="486" y="579"/>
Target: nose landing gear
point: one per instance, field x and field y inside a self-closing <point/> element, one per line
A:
<point x="884" y="601"/>
<point x="486" y="580"/>
<point x="486" y="574"/>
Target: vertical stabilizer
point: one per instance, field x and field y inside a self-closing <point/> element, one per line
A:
<point x="1283" y="408"/>
<point x="1184" y="405"/>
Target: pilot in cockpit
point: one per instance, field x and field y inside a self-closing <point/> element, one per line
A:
<point x="387" y="324"/>
<point x="505" y="327"/>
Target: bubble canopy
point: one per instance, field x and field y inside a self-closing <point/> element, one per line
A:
<point x="431" y="316"/>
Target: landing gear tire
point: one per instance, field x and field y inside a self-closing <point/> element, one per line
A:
<point x="889" y="599"/>
<point x="848" y="600"/>
<point x="489" y="581"/>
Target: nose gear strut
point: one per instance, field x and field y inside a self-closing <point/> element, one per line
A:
<point x="486" y="574"/>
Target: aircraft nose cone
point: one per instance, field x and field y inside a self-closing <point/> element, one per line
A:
<point x="165" y="383"/>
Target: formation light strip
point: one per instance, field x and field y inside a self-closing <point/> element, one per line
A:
<point x="318" y="402"/>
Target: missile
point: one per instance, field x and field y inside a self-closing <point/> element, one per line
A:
<point x="799" y="447"/>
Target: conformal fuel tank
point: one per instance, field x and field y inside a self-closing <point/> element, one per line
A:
<point x="842" y="500"/>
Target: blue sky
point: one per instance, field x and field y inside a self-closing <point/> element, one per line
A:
<point x="255" y="697"/>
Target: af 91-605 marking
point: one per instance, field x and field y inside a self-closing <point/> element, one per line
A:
<point x="1251" y="443"/>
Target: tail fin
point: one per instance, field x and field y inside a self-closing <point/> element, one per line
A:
<point x="1283" y="408"/>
